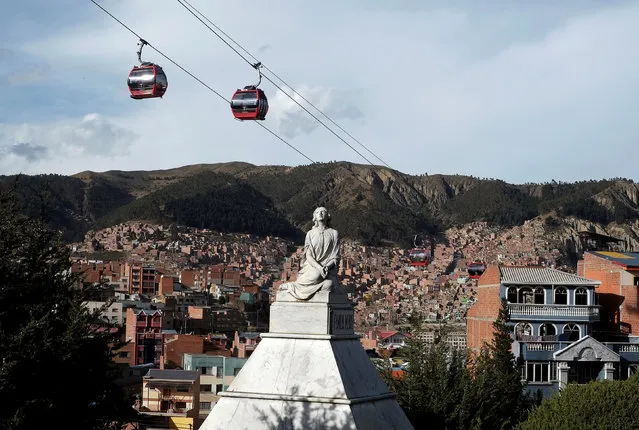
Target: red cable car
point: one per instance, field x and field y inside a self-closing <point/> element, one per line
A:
<point x="147" y="80"/>
<point x="418" y="257"/>
<point x="251" y="102"/>
<point x="476" y="269"/>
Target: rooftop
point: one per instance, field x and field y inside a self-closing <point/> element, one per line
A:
<point x="627" y="259"/>
<point x="537" y="275"/>
<point x="172" y="375"/>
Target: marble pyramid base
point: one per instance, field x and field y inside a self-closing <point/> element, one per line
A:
<point x="318" y="377"/>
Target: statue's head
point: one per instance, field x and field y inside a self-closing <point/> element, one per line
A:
<point x="321" y="213"/>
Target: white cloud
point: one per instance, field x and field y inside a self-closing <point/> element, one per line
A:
<point x="89" y="137"/>
<point x="523" y="93"/>
<point x="292" y="120"/>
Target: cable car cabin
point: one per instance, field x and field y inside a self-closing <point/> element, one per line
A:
<point x="418" y="257"/>
<point x="147" y="81"/>
<point x="476" y="269"/>
<point x="249" y="103"/>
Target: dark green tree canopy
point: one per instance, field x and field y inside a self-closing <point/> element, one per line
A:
<point x="596" y="405"/>
<point x="56" y="369"/>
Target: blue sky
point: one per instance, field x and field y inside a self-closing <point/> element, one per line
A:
<point x="521" y="91"/>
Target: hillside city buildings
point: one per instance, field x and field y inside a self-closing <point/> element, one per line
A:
<point x="191" y="303"/>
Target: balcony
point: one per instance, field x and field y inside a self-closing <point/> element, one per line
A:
<point x="530" y="312"/>
<point x="544" y="350"/>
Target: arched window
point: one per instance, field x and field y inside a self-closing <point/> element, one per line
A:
<point x="572" y="330"/>
<point x="540" y="296"/>
<point x="526" y="295"/>
<point x="561" y="296"/>
<point x="523" y="329"/>
<point x="547" y="329"/>
<point x="581" y="296"/>
<point x="511" y="295"/>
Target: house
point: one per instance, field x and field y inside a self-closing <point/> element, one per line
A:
<point x="216" y="374"/>
<point x="173" y="392"/>
<point x="245" y="343"/>
<point x="144" y="331"/>
<point x="555" y="319"/>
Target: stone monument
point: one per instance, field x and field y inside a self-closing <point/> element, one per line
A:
<point x="310" y="371"/>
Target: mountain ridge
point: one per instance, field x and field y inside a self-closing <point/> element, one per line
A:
<point x="369" y="203"/>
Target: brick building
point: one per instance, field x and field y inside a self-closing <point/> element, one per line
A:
<point x="618" y="293"/>
<point x="555" y="318"/>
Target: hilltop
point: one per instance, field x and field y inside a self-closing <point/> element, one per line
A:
<point x="374" y="205"/>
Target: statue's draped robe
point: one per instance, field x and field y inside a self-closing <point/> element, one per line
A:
<point x="323" y="247"/>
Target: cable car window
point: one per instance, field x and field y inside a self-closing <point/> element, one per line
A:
<point x="161" y="78"/>
<point x="418" y="256"/>
<point x="245" y="96"/>
<point x="145" y="74"/>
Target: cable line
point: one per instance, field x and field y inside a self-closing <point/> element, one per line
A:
<point x="195" y="12"/>
<point x="196" y="78"/>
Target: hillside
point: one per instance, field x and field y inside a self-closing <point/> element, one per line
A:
<point x="371" y="204"/>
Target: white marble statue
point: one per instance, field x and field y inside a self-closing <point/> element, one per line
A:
<point x="320" y="259"/>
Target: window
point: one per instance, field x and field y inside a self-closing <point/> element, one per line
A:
<point x="547" y="329"/>
<point x="236" y="371"/>
<point x="561" y="296"/>
<point x="523" y="329"/>
<point x="511" y="295"/>
<point x="205" y="405"/>
<point x="218" y="388"/>
<point x="632" y="369"/>
<point x="572" y="330"/>
<point x="540" y="372"/>
<point x="526" y="295"/>
<point x="180" y="405"/>
<point x="123" y="354"/>
<point x="182" y="389"/>
<point x="540" y="296"/>
<point x="581" y="297"/>
<point x="206" y="388"/>
<point x="206" y="370"/>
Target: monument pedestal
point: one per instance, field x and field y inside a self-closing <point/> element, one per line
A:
<point x="309" y="372"/>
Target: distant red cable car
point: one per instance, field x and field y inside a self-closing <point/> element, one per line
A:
<point x="147" y="80"/>
<point x="418" y="257"/>
<point x="250" y="103"/>
<point x="476" y="269"/>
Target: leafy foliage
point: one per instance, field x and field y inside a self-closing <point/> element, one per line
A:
<point x="598" y="404"/>
<point x="450" y="391"/>
<point x="50" y="352"/>
<point x="431" y="389"/>
<point x="497" y="395"/>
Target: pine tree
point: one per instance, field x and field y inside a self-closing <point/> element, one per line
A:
<point x="497" y="392"/>
<point x="56" y="369"/>
<point x="433" y="383"/>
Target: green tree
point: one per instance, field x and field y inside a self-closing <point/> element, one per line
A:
<point x="599" y="404"/>
<point x="56" y="369"/>
<point x="433" y="383"/>
<point x="496" y="399"/>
